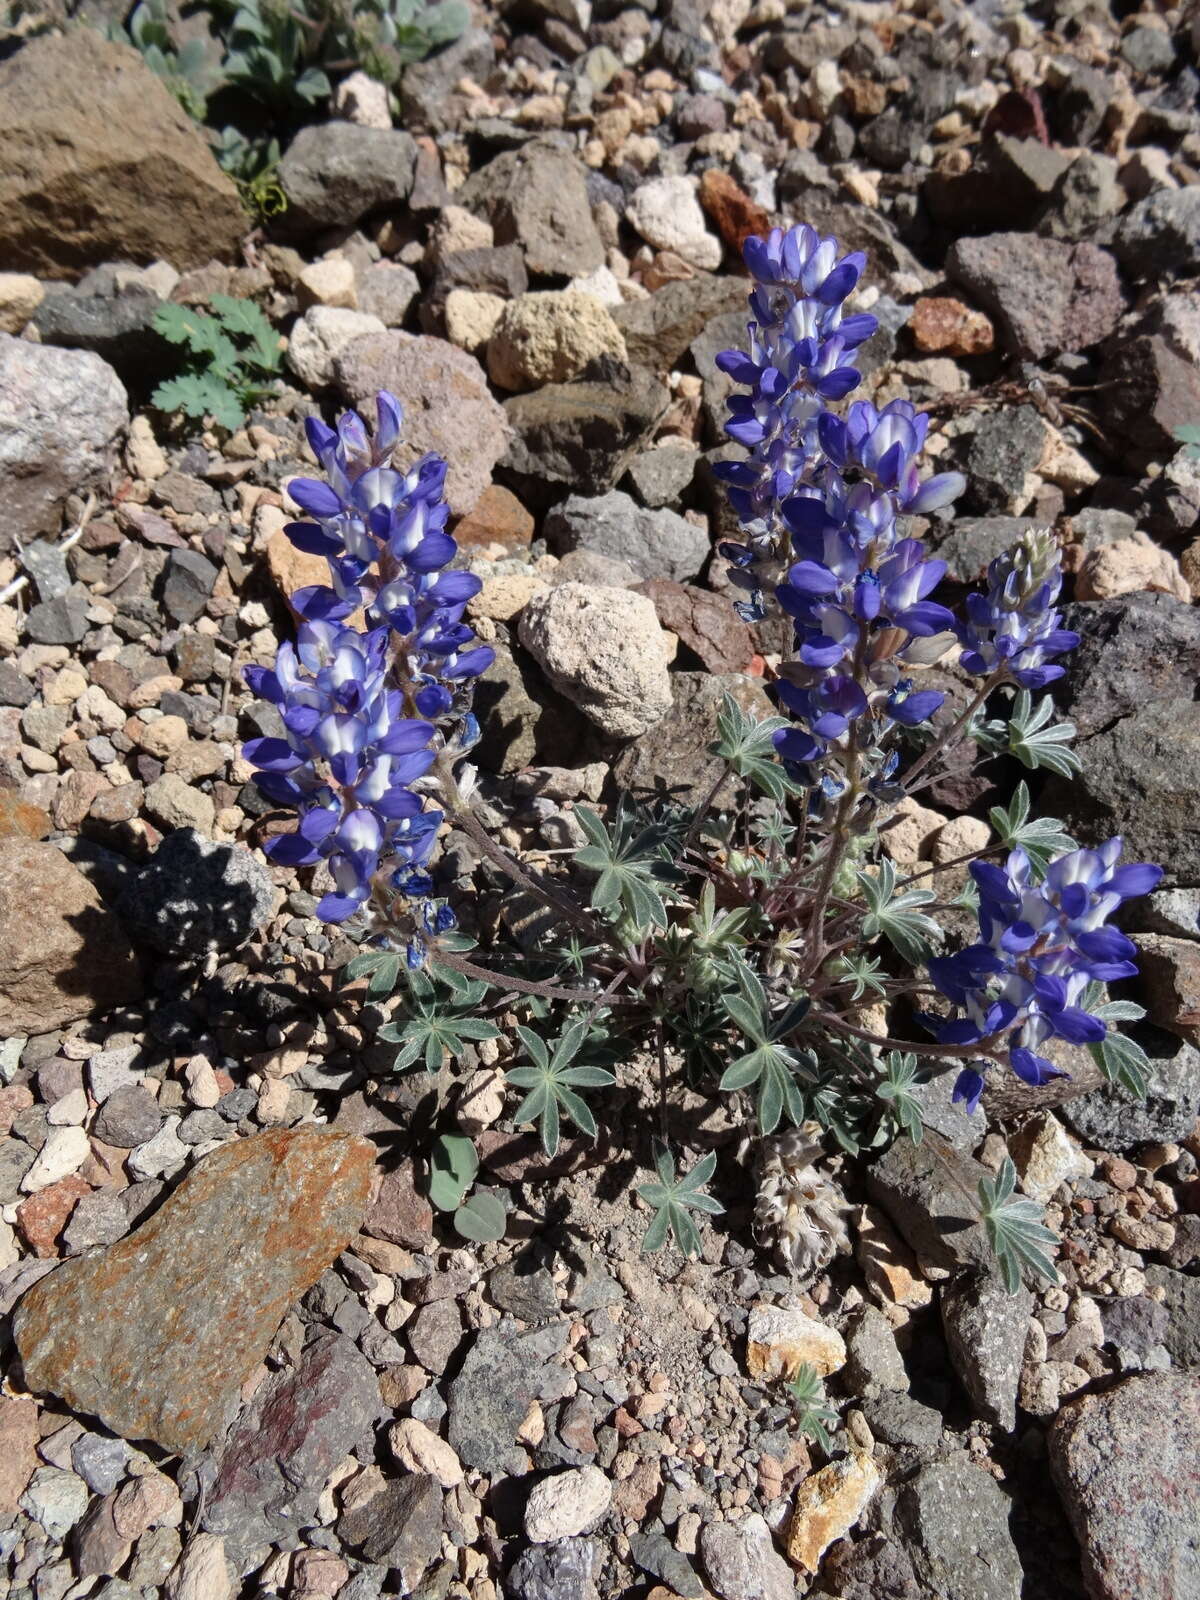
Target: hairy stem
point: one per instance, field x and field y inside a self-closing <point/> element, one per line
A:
<point x="546" y="987"/>
<point x="460" y="811"/>
<point x="950" y="736"/>
<point x="953" y="1051"/>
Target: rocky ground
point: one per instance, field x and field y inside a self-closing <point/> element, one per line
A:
<point x="269" y="1366"/>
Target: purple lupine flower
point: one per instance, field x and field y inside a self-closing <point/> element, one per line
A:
<point x="1014" y="624"/>
<point x="1041" y="945"/>
<point x="347" y="758"/>
<point x="366" y="712"/>
<point x="819" y="500"/>
<point x="382" y="532"/>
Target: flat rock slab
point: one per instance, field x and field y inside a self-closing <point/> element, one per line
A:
<point x="1125" y="1464"/>
<point x="156" y="1335"/>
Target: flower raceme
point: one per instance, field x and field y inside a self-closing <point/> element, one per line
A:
<point x="365" y="711"/>
<point x="819" y="499"/>
<point x="1041" y="945"/>
<point x="1015" y="623"/>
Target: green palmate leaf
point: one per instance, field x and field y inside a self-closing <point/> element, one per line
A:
<point x="199" y="396"/>
<point x="381" y="968"/>
<point x="483" y="1219"/>
<point x="452" y="1168"/>
<point x="1015" y="1230"/>
<point x="896" y="916"/>
<point x="245" y="320"/>
<point x="864" y="973"/>
<point x="901" y="1077"/>
<point x="815" y="1417"/>
<point x="1031" y="735"/>
<point x="1041" y="838"/>
<point x="770" y="1066"/>
<point x="630" y="863"/>
<point x="553" y="1081"/>
<point x="749" y="748"/>
<point x="438" y="1024"/>
<point x="1121" y="1059"/>
<point x="673" y="1199"/>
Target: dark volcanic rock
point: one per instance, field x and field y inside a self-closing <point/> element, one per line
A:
<point x="301" y="1423"/>
<point x="503" y="1372"/>
<point x="537" y="197"/>
<point x="673" y="757"/>
<point x="580" y="436"/>
<point x="954" y="1520"/>
<point x="986" y="1328"/>
<point x="335" y="172"/>
<point x="1109" y="1119"/>
<point x="1148" y="393"/>
<point x="1133" y="649"/>
<point x="1047" y="295"/>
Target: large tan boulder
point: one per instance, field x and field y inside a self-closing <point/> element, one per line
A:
<point x="101" y="163"/>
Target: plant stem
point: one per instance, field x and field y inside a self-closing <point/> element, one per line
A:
<point x="950" y="736"/>
<point x="704" y="807"/>
<point x="661" y="1047"/>
<point x="546" y="987"/>
<point x="957" y="1051"/>
<point x="460" y="811"/>
<point x="833" y="859"/>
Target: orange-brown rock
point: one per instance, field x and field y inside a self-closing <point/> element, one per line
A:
<point x="827" y="1506"/>
<point x="942" y="325"/>
<point x="18" y="1449"/>
<point x="19" y="819"/>
<point x="497" y="517"/>
<point x="731" y="208"/>
<point x="63" y="954"/>
<point x="157" y="1334"/>
<point x="44" y="1215"/>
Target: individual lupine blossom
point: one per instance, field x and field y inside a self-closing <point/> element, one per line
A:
<point x="1015" y="625"/>
<point x="1041" y="945"/>
<point x="828" y="491"/>
<point x="365" y="711"/>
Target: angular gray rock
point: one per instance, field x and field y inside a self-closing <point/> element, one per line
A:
<point x="401" y="1527"/>
<point x="928" y="1194"/>
<point x="583" y="435"/>
<point x="742" y="1563"/>
<point x="985" y="1330"/>
<point x="503" y="1372"/>
<point x="953" y="1518"/>
<point x="1126" y="1466"/>
<point x="1181" y="1303"/>
<point x="559" y="1571"/>
<point x="195" y="895"/>
<point x="673" y="756"/>
<point x="302" y="1422"/>
<point x="1109" y="1120"/>
<point x="1161" y="235"/>
<point x="1046" y="295"/>
<point x="61" y="415"/>
<point x="656" y="544"/>
<point x="333" y="173"/>
<point x="537" y="197"/>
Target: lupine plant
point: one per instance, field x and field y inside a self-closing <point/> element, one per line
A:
<point x="761" y="943"/>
